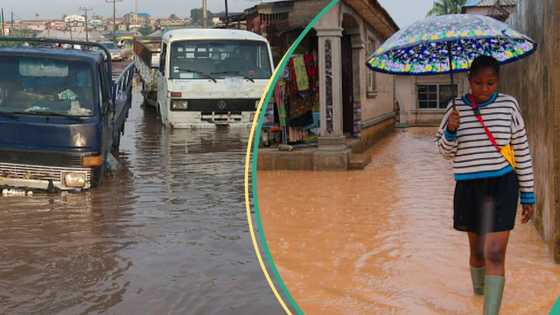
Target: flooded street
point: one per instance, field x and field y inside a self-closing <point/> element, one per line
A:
<point x="380" y="241"/>
<point x="167" y="235"/>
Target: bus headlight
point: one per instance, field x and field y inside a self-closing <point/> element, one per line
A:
<point x="179" y="105"/>
<point x="74" y="180"/>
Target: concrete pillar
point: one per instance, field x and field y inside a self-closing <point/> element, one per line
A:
<point x="330" y="89"/>
<point x="359" y="78"/>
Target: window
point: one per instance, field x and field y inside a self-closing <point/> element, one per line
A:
<point x="371" y="79"/>
<point x="218" y="59"/>
<point x="37" y="85"/>
<point x="435" y="96"/>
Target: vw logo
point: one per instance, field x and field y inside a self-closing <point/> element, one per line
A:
<point x="222" y="105"/>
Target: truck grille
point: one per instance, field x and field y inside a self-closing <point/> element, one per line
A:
<point x="222" y="105"/>
<point x="40" y="158"/>
<point x="17" y="171"/>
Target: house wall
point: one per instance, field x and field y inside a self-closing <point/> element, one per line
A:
<point x="407" y="98"/>
<point x="535" y="82"/>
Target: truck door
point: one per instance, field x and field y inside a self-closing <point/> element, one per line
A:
<point x="162" y="94"/>
<point x="107" y="111"/>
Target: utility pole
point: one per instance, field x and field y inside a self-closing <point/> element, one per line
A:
<point x="205" y="13"/>
<point x="136" y="12"/>
<point x="2" y="22"/>
<point x="12" y="28"/>
<point x="86" y="10"/>
<point x="114" y="2"/>
<point x="227" y="15"/>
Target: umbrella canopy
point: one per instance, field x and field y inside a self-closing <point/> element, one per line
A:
<point x="424" y="47"/>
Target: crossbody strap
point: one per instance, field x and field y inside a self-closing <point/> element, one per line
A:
<point x="476" y="110"/>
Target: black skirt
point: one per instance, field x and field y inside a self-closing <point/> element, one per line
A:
<point x="486" y="205"/>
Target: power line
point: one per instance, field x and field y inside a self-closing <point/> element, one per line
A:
<point x="86" y="10"/>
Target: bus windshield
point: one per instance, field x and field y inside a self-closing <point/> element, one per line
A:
<point x="219" y="59"/>
<point x="44" y="86"/>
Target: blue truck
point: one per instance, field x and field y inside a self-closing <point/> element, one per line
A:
<point x="61" y="113"/>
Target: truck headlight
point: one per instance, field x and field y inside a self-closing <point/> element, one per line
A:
<point x="74" y="180"/>
<point x="179" y="105"/>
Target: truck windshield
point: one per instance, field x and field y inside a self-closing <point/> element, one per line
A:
<point x="219" y="59"/>
<point x="44" y="86"/>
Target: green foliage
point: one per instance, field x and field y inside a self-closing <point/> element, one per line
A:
<point x="145" y="30"/>
<point x="444" y="7"/>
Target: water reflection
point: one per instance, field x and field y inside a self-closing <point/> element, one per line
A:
<point x="166" y="235"/>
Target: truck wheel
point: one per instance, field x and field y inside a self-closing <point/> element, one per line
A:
<point x="97" y="176"/>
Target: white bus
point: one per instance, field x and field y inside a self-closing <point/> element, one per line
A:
<point x="207" y="77"/>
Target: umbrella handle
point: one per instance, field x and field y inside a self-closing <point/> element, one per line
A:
<point x="450" y="57"/>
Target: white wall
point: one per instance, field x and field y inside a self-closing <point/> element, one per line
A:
<point x="406" y="95"/>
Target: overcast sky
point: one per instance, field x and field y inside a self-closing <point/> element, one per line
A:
<point x="403" y="11"/>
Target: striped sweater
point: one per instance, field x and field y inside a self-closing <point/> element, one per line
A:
<point x="472" y="153"/>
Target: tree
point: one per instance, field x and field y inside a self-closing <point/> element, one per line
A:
<point x="443" y="7"/>
<point x="196" y="16"/>
<point x="145" y="30"/>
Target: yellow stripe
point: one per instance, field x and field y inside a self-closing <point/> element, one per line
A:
<point x="247" y="199"/>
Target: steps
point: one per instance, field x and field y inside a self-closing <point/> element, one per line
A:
<point x="359" y="161"/>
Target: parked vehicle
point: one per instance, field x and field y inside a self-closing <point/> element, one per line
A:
<point x="61" y="114"/>
<point x="146" y="60"/>
<point x="116" y="52"/>
<point x="205" y="77"/>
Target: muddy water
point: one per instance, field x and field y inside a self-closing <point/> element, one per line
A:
<point x="380" y="241"/>
<point x="167" y="235"/>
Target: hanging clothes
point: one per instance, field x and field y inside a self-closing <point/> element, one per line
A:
<point x="282" y="114"/>
<point x="312" y="70"/>
<point x="300" y="69"/>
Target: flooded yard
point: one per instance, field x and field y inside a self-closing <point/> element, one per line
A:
<point x="380" y="241"/>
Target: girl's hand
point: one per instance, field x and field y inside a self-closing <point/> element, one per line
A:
<point x="453" y="121"/>
<point x="528" y="211"/>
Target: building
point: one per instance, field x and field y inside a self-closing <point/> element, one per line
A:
<point x="96" y="24"/>
<point x="32" y="25"/>
<point x="71" y="35"/>
<point x="235" y="20"/>
<point x="351" y="106"/>
<point x="169" y="23"/>
<point x="422" y="100"/>
<point x="535" y="82"/>
<point x="266" y="18"/>
<point x="58" y="25"/>
<point x="498" y="9"/>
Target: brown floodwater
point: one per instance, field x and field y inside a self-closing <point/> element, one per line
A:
<point x="380" y="240"/>
<point x="166" y="235"/>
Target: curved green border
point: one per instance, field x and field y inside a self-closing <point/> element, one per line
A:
<point x="255" y="152"/>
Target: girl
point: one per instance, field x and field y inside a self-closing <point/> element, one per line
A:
<point x="476" y="135"/>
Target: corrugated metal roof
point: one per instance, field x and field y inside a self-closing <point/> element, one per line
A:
<point x="488" y="3"/>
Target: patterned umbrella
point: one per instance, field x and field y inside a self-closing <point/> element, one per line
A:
<point x="449" y="43"/>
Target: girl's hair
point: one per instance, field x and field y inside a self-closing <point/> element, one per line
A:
<point x="483" y="62"/>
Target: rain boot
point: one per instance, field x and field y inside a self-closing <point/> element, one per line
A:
<point x="493" y="291"/>
<point x="477" y="276"/>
